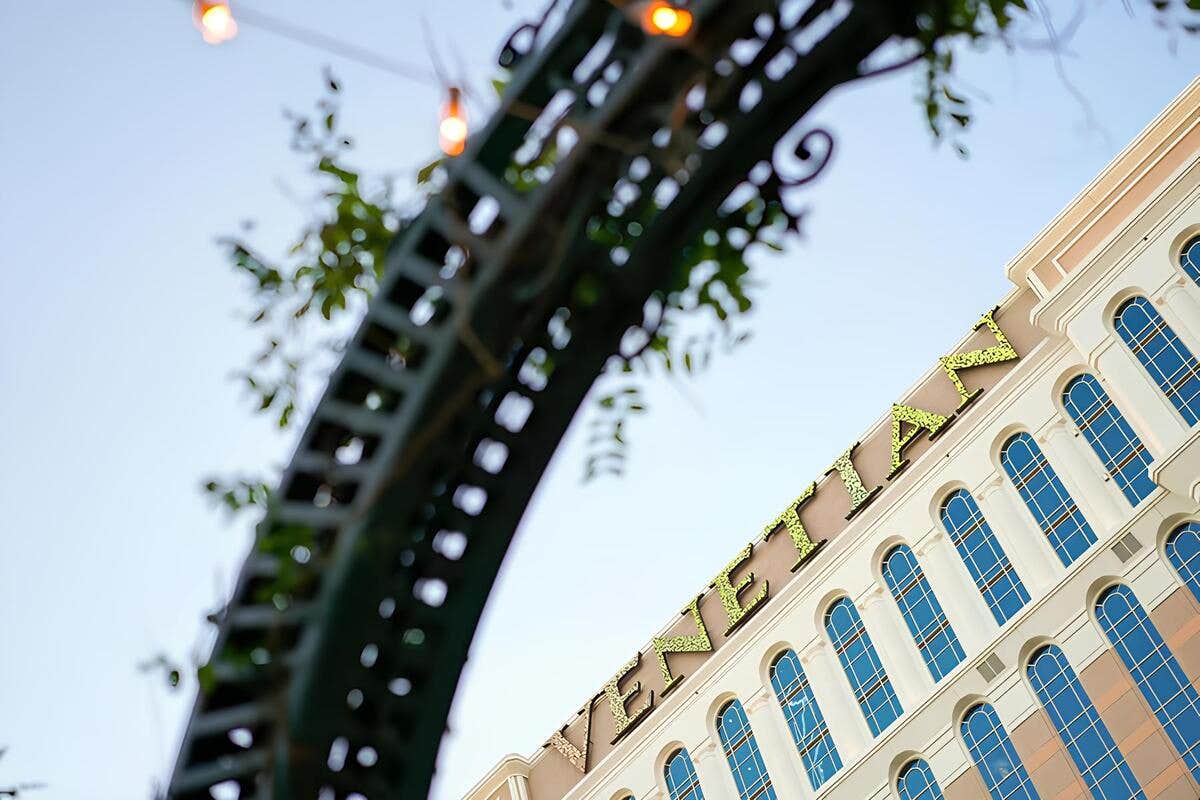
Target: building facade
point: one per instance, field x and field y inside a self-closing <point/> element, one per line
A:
<point x="995" y="593"/>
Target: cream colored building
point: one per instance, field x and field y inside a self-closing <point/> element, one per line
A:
<point x="1024" y="573"/>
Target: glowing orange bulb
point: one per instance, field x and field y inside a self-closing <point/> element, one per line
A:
<point x="215" y="21"/>
<point x="452" y="129"/>
<point x="663" y="19"/>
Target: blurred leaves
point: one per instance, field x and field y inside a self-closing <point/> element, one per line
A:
<point x="331" y="268"/>
<point x="238" y="494"/>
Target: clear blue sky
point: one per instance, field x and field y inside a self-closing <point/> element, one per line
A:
<point x="128" y="145"/>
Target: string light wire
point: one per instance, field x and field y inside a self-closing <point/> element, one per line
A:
<point x="334" y="46"/>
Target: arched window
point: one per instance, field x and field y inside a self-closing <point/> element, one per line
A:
<point x="985" y="560"/>
<point x="804" y="719"/>
<point x="994" y="755"/>
<point x="1055" y="510"/>
<point x="872" y="688"/>
<point x="682" y="783"/>
<point x="1154" y="669"/>
<point x="1079" y="726"/>
<point x="1104" y="426"/>
<point x="1169" y="362"/>
<point x="916" y="782"/>
<point x="741" y="750"/>
<point x="1189" y="259"/>
<point x="1183" y="551"/>
<point x="922" y="612"/>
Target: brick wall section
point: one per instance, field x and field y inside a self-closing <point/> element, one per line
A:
<point x="968" y="786"/>
<point x="1135" y="729"/>
<point x="1049" y="766"/>
<point x="1178" y="621"/>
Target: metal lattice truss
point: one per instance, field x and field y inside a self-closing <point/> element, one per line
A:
<point x="339" y="652"/>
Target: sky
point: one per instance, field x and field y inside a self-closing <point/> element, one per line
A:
<point x="128" y="146"/>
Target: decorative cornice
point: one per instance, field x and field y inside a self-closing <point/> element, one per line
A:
<point x="934" y="537"/>
<point x="760" y="699"/>
<point x="705" y="750"/>
<point x="811" y="653"/>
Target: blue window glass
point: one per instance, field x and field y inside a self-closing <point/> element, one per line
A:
<point x="1189" y="259"/>
<point x="922" y="612"/>
<point x="916" y="782"/>
<point x="682" y="783"/>
<point x="872" y="688"/>
<point x="1157" y="347"/>
<point x="1055" y="510"/>
<point x="804" y="719"/>
<point x="1154" y="669"/>
<point x="741" y="750"/>
<point x="985" y="560"/>
<point x="1113" y="440"/>
<point x="1183" y="551"/>
<point x="994" y="755"/>
<point x="1079" y="726"/>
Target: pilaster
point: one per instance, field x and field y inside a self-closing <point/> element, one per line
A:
<point x="1019" y="536"/>
<point x="958" y="595"/>
<point x="775" y="742"/>
<point x="1084" y="476"/>
<point x="836" y="701"/>
<point x="896" y="649"/>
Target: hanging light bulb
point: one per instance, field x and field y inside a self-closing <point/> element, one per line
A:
<point x="452" y="129"/>
<point x="660" y="18"/>
<point x="215" y="21"/>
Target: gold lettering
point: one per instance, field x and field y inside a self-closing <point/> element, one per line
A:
<point x="618" y="700"/>
<point x="576" y="756"/>
<point x="728" y="593"/>
<point x="694" y="643"/>
<point x="996" y="354"/>
<point x="859" y="494"/>
<point x="918" y="420"/>
<point x="790" y="519"/>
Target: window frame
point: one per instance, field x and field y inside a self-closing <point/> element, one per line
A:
<point x="910" y="590"/>
<point x="818" y="740"/>
<point x="1191" y="582"/>
<point x="1023" y="788"/>
<point x="692" y="790"/>
<point x="879" y="680"/>
<point x="1068" y="729"/>
<point x="761" y="787"/>
<point x="1135" y="487"/>
<point x="1178" y="380"/>
<point x="1154" y="672"/>
<point x="932" y="790"/>
<point x="1004" y="572"/>
<point x="1049" y="517"/>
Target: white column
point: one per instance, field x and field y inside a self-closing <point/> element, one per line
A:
<point x="1019" y="536"/>
<point x="1084" y="476"/>
<point x="776" y="744"/>
<point x="958" y="595"/>
<point x="518" y="787"/>
<point x="1141" y="401"/>
<point x="716" y="781"/>
<point x="834" y="697"/>
<point x="1185" y="310"/>
<point x="896" y="649"/>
